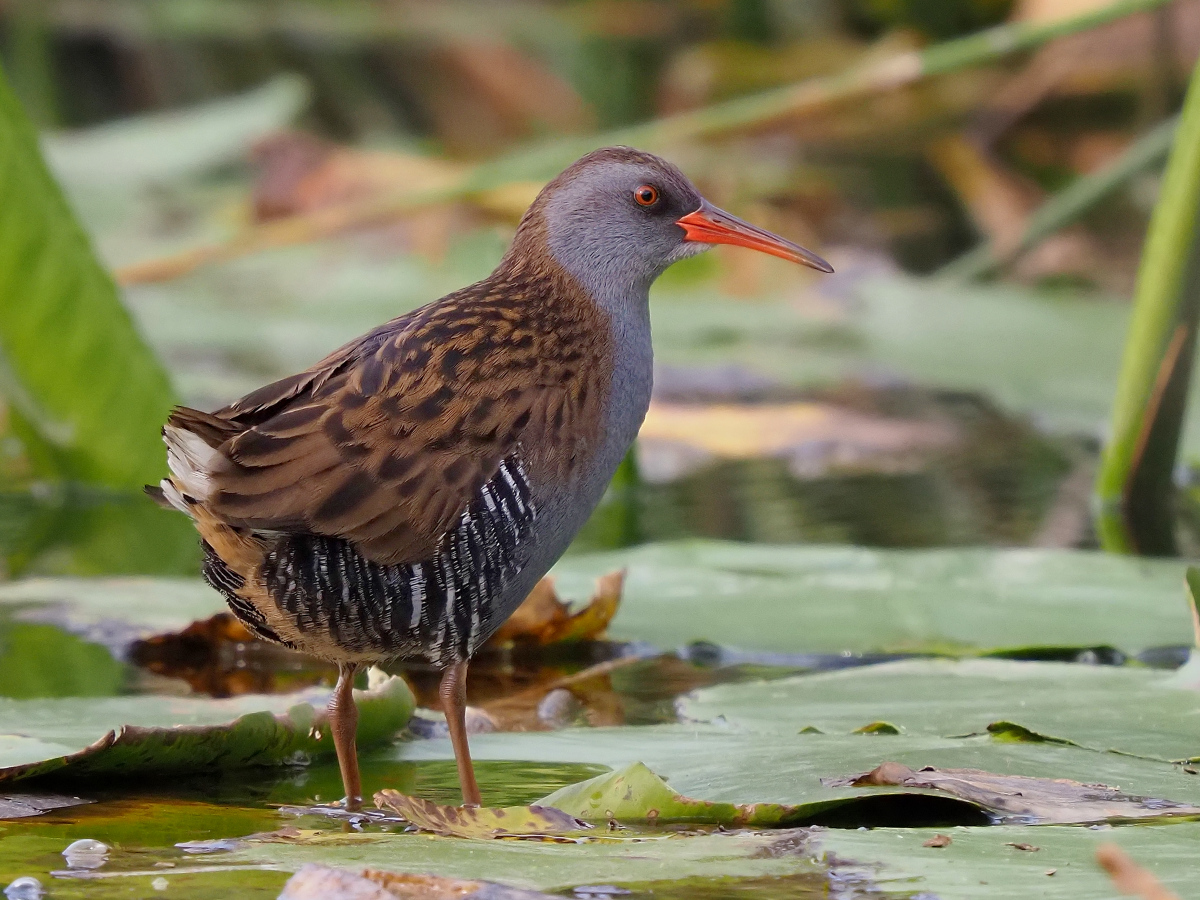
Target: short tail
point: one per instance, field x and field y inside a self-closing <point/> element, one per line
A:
<point x="192" y="438"/>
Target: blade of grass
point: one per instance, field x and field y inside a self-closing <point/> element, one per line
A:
<point x="1134" y="487"/>
<point x="757" y="110"/>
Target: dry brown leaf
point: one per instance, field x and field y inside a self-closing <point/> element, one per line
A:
<point x="1021" y="798"/>
<point x="545" y="619"/>
<point x="1128" y="877"/>
<point x="318" y="882"/>
<point x="481" y="821"/>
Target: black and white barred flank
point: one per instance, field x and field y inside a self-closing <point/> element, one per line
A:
<point x="440" y="609"/>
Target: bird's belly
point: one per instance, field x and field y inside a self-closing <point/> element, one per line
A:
<point x="329" y="600"/>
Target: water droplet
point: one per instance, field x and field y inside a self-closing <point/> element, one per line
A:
<point x="24" y="888"/>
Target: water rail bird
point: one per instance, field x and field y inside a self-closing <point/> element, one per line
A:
<point x="399" y="499"/>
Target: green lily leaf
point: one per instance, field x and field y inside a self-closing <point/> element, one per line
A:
<point x="982" y="864"/>
<point x="36" y="732"/>
<point x="740" y="743"/>
<point x="637" y="794"/>
<point x="769" y="599"/>
<point x="830" y="599"/>
<point x="1134" y="711"/>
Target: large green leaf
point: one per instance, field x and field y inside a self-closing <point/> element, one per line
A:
<point x="983" y="864"/>
<point x="1135" y="711"/>
<point x="832" y="599"/>
<point x="754" y="742"/>
<point x="813" y="599"/>
<point x="90" y="395"/>
<point x="141" y="737"/>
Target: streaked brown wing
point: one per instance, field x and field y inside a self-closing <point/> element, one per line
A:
<point x="385" y="442"/>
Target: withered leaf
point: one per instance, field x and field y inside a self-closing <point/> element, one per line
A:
<point x="480" y="821"/>
<point x="545" y="619"/>
<point x="1020" y="798"/>
<point x="22" y="806"/>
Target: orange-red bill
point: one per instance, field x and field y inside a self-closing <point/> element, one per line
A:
<point x="709" y="225"/>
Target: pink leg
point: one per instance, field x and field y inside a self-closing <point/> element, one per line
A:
<point x="343" y="722"/>
<point x="453" y="692"/>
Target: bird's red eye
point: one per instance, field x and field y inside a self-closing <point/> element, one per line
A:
<point x="646" y="195"/>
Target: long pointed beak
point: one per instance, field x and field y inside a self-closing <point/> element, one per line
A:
<point x="710" y="225"/>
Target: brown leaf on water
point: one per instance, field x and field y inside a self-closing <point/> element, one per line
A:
<point x="1021" y="798"/>
<point x="545" y="619"/>
<point x="938" y="840"/>
<point x="23" y="806"/>
<point x="481" y="821"/>
<point x="318" y="882"/>
<point x="1128" y="877"/>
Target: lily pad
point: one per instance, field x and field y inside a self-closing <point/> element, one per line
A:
<point x="769" y="599"/>
<point x="34" y="734"/>
<point x="744" y="743"/>
<point x="815" y="599"/>
<point x="981" y="864"/>
<point x="1134" y="711"/>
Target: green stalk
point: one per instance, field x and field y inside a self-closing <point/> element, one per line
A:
<point x="1068" y="205"/>
<point x="757" y="110"/>
<point x="1134" y="489"/>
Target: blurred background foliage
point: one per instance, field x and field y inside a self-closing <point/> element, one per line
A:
<point x="269" y="178"/>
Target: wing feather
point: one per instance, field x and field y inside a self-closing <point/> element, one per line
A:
<point x="386" y="441"/>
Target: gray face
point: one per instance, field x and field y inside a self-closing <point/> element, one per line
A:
<point x="612" y="243"/>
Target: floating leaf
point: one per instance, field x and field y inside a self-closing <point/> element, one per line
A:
<point x="255" y="739"/>
<point x="22" y="806"/>
<point x="637" y="794"/>
<point x="480" y="821"/>
<point x="816" y="599"/>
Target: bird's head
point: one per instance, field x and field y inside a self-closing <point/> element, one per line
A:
<point x="618" y="217"/>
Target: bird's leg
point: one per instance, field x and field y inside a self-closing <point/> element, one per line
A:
<point x="453" y="692"/>
<point x="343" y="722"/>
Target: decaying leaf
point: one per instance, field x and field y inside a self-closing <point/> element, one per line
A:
<point x="1128" y="877"/>
<point x="256" y="739"/>
<point x="545" y="619"/>
<point x="1021" y="799"/>
<point x="481" y="822"/>
<point x="637" y="794"/>
<point x="317" y="882"/>
<point x="22" y="806"/>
